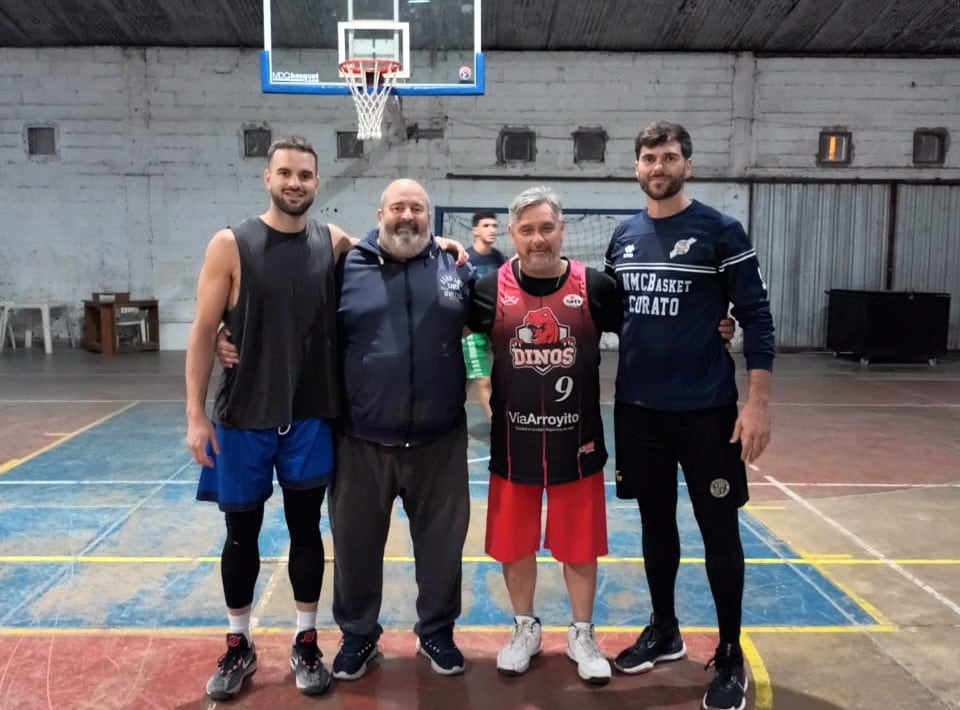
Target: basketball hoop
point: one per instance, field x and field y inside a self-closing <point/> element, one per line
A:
<point x="370" y="82"/>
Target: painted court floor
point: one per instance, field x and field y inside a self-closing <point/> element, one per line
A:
<point x="111" y="589"/>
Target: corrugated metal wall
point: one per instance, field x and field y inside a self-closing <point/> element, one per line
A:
<point x="811" y="238"/>
<point x="927" y="256"/>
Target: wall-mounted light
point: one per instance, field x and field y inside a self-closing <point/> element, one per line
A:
<point x="836" y="148"/>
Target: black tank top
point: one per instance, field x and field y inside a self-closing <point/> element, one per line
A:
<point x="285" y="328"/>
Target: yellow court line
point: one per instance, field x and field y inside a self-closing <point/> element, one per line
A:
<point x="762" y="687"/>
<point x="857" y="599"/>
<point x="708" y="629"/>
<point x="815" y="561"/>
<point x="13" y="463"/>
<point x="469" y="628"/>
<point x="806" y="560"/>
<point x="750" y="507"/>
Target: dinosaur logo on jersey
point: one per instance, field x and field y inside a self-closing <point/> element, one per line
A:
<point x="542" y="343"/>
<point x="682" y="247"/>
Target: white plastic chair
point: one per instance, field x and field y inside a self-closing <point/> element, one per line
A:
<point x="44" y="307"/>
<point x="5" y="328"/>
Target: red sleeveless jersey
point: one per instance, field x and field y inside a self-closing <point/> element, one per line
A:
<point x="546" y="390"/>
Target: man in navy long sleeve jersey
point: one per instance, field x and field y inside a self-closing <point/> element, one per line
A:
<point x="678" y="265"/>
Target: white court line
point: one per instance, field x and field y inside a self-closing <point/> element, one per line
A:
<point x="37" y="591"/>
<point x="477" y="482"/>
<point x="87" y="401"/>
<point x="834" y="484"/>
<point x="805" y="571"/>
<point x="145" y="482"/>
<point x="866" y="547"/>
<point x="268" y="590"/>
<point x="865" y="405"/>
<point x="883" y="405"/>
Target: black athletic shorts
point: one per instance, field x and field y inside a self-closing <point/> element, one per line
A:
<point x="651" y="443"/>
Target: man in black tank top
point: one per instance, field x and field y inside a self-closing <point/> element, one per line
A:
<point x="271" y="279"/>
<point x="295" y="292"/>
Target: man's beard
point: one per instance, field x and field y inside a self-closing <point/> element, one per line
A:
<point x="671" y="187"/>
<point x="403" y="242"/>
<point x="293" y="210"/>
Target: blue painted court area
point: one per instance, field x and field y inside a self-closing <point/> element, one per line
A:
<point x="102" y="531"/>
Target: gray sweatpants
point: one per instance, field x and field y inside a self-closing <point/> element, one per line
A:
<point x="431" y="480"/>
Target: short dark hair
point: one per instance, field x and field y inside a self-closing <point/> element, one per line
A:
<point x="293" y="143"/>
<point x="479" y="216"/>
<point x="661" y="132"/>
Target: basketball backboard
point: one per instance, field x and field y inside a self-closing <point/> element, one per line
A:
<point x="436" y="42"/>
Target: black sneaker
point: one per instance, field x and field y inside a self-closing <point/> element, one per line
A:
<point x="239" y="662"/>
<point x="312" y="677"/>
<point x="445" y="657"/>
<point x="653" y="646"/>
<point x="728" y="691"/>
<point x="355" y="653"/>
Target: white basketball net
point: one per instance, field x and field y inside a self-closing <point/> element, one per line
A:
<point x="370" y="82"/>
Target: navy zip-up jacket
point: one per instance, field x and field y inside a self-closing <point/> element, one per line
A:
<point x="400" y="328"/>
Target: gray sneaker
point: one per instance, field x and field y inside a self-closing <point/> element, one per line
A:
<point x="239" y="662"/>
<point x="312" y="677"/>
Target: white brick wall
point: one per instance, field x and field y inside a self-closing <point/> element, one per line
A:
<point x="149" y="159"/>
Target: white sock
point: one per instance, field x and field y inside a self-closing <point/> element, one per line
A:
<point x="585" y="625"/>
<point x="528" y="617"/>
<point x="239" y="624"/>
<point x="306" y="620"/>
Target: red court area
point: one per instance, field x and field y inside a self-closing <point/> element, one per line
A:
<point x="164" y="671"/>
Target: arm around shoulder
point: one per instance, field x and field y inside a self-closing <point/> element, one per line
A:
<point x="342" y="242"/>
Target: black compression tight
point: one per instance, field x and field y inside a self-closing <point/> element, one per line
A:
<point x="661" y="558"/>
<point x="720" y="529"/>
<point x="302" y="511"/>
<point x="240" y="560"/>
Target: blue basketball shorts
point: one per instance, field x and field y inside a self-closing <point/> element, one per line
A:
<point x="242" y="475"/>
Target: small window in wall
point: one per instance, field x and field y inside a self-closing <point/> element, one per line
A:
<point x="836" y="148"/>
<point x="348" y="145"/>
<point x="516" y="145"/>
<point x="589" y="145"/>
<point x="256" y="142"/>
<point x="930" y="146"/>
<point x="41" y="140"/>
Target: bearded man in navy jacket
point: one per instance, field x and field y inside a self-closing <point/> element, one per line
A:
<point x="403" y="307"/>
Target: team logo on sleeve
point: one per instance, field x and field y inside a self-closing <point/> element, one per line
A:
<point x="682" y="247"/>
<point x="542" y="343"/>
